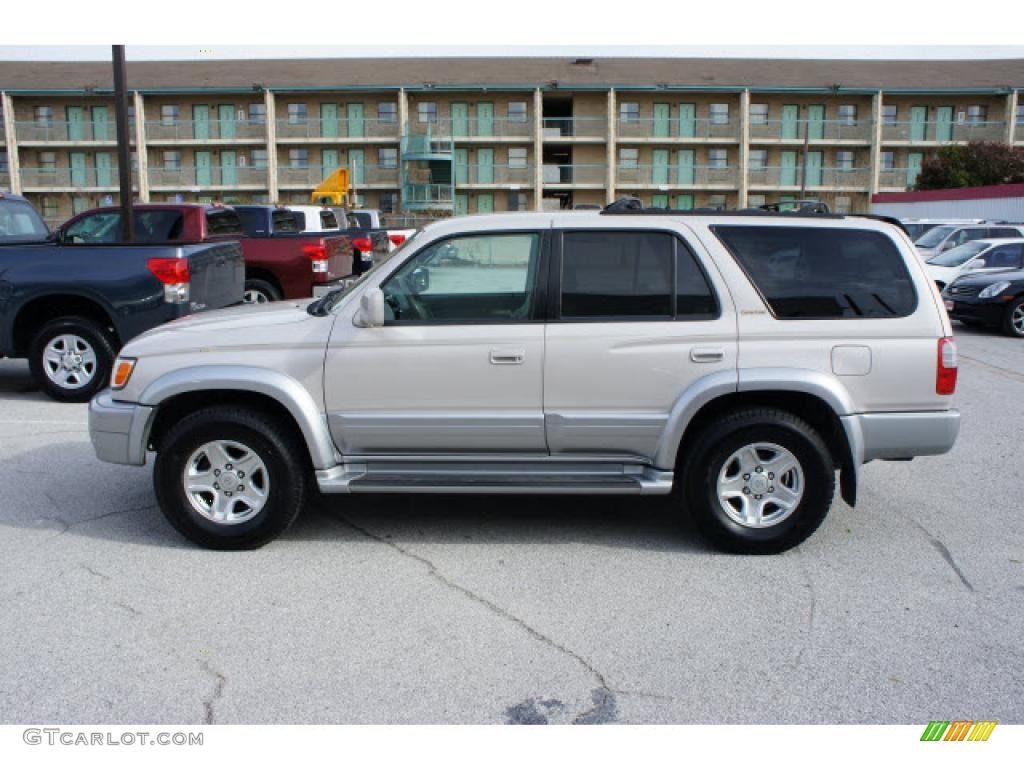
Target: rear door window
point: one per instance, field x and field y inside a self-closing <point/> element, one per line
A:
<point x="823" y="272"/>
<point x="1002" y="257"/>
<point x="328" y="220"/>
<point x="158" y="226"/>
<point x="102" y="227"/>
<point x="223" y="221"/>
<point x="285" y="222"/>
<point x="1003" y="232"/>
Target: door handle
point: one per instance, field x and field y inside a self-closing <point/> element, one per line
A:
<point x="707" y="354"/>
<point x="507" y="356"/>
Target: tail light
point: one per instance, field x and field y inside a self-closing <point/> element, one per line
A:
<point x="396" y="239"/>
<point x="945" y="373"/>
<point x="363" y="243"/>
<point x="174" y="275"/>
<point x="318" y="256"/>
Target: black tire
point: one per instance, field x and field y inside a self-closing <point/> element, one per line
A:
<point x="712" y="450"/>
<point x="260" y="291"/>
<point x="273" y="441"/>
<point x="1013" y="324"/>
<point x="79" y="386"/>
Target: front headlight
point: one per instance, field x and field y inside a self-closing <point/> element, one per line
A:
<point x="993" y="290"/>
<point x="123" y="368"/>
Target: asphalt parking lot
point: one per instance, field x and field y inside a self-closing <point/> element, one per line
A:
<point x="492" y="610"/>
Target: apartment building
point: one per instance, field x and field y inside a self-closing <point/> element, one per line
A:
<point x="430" y="136"/>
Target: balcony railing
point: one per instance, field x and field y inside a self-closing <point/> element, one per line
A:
<point x="574" y="174"/>
<point x="427" y="194"/>
<point x="813" y="130"/>
<point x="61" y="131"/>
<point x="944" y="131"/>
<point x="575" y="128"/>
<point x="340" y="128"/>
<point x="204" y="130"/>
<point x="360" y="175"/>
<point x="5" y="180"/>
<point x="657" y="128"/>
<point x="521" y="175"/>
<point x="789" y="176"/>
<point x="774" y="176"/>
<point x="1018" y="131"/>
<point x="69" y="178"/>
<point x="897" y="178"/>
<point x="469" y="128"/>
<point x="675" y="176"/>
<point x="188" y="177"/>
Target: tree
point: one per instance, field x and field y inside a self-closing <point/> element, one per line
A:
<point x="977" y="164"/>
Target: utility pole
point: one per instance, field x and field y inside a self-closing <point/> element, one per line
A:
<point x="124" y="155"/>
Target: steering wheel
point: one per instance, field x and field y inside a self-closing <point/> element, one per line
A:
<point x="416" y="305"/>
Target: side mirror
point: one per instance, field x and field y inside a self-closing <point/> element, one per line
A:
<point x="371" y="309"/>
<point x="420" y="280"/>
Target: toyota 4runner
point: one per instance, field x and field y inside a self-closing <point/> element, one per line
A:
<point x="739" y="361"/>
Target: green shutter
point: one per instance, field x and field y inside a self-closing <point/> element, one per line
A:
<point x="944" y="124"/>
<point x="787" y="173"/>
<point x="813" y="169"/>
<point x="659" y="200"/>
<point x="354" y="113"/>
<point x="790" y="121"/>
<point x="226" y="121"/>
<point x="356" y="165"/>
<point x="815" y="122"/>
<point x="485" y="166"/>
<point x="485" y="202"/>
<point x="460" y="118"/>
<point x="201" y="121"/>
<point x="101" y="124"/>
<point x="919" y="123"/>
<point x="913" y="167"/>
<point x="685" y="164"/>
<point x="461" y="204"/>
<point x="104" y="170"/>
<point x="659" y="163"/>
<point x="484" y="118"/>
<point x="79" y="171"/>
<point x="684" y="202"/>
<point x="462" y="166"/>
<point x="228" y="167"/>
<point x="687" y="120"/>
<point x="76" y="124"/>
<point x="660" y="129"/>
<point x="204" y="169"/>
<point x="329" y="121"/>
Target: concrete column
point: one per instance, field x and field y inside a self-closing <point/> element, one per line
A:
<point x="538" y="150"/>
<point x="613" y="131"/>
<point x="271" y="107"/>
<point x="1011" y="116"/>
<point x="403" y="112"/>
<point x="875" y="165"/>
<point x="141" y="148"/>
<point x="741" y="201"/>
<point x="11" y="145"/>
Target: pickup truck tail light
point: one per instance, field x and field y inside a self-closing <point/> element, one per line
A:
<point x="396" y="239"/>
<point x="945" y="374"/>
<point x="174" y="275"/>
<point x="318" y="256"/>
<point x="363" y="243"/>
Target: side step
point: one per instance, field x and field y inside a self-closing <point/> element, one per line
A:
<point x="423" y="478"/>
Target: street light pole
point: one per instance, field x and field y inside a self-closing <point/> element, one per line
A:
<point x="124" y="157"/>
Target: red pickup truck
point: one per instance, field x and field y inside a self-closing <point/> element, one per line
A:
<point x="280" y="261"/>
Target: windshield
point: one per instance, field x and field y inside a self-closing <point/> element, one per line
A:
<point x="19" y="222"/>
<point x="326" y="303"/>
<point x="933" y="237"/>
<point x="915" y="230"/>
<point x="954" y="257"/>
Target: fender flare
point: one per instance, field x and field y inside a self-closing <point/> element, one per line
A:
<point x="278" y="386"/>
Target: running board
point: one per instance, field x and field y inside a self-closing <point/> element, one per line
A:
<point x="507" y="479"/>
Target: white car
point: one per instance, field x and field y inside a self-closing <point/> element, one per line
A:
<point x="739" y="361"/>
<point x="948" y="236"/>
<point x="975" y="256"/>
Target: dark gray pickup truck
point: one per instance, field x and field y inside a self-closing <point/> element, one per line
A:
<point x="69" y="308"/>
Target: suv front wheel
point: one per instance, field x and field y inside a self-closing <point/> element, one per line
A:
<point x="759" y="481"/>
<point x="230" y="478"/>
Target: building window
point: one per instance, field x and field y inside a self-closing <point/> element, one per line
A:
<point x="758" y="159"/>
<point x="629" y="158"/>
<point x="387" y="112"/>
<point x="258" y="113"/>
<point x="4" y="166"/>
<point x="756" y="201"/>
<point x="842" y="205"/>
<point x="298" y="158"/>
<point x="629" y="112"/>
<point x="517" y="112"/>
<point x="517" y="201"/>
<point x="259" y="158"/>
<point x="718" y="158"/>
<point x="169" y="114"/>
<point x="889" y="114"/>
<point x="719" y="114"/>
<point x="977" y="113"/>
<point x="758" y="114"/>
<point x="848" y="114"/>
<point x="426" y="112"/>
<point x="517" y="157"/>
<point x="844" y="160"/>
<point x="1020" y="114"/>
<point x="387" y="202"/>
<point x="48" y="161"/>
<point x="44" y="115"/>
<point x="172" y="159"/>
<point x="716" y="201"/>
<point x="888" y="160"/>
<point x="387" y="157"/>
<point x="50" y="210"/>
<point x="297" y="114"/>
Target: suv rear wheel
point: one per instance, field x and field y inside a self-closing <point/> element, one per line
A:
<point x="230" y="478"/>
<point x="759" y="481"/>
<point x="70" y="359"/>
<point x="258" y="291"/>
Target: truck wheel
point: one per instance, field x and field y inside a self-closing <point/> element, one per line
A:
<point x="759" y="481"/>
<point x="1013" y="323"/>
<point x="230" y="478"/>
<point x="259" y="292"/>
<point x="70" y="359"/>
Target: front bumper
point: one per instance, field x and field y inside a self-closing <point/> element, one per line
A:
<point x="987" y="311"/>
<point x="901" y="435"/>
<point x="119" y="431"/>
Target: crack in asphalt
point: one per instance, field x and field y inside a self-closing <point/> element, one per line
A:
<point x="604" y="707"/>
<point x="94" y="572"/>
<point x="1008" y="373"/>
<point x="809" y="584"/>
<point x="68" y="526"/>
<point x="218" y="691"/>
<point x="946" y="554"/>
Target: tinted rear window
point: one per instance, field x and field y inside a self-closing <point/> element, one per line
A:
<point x="158" y="226"/>
<point x="328" y="220"/>
<point x="823" y="273"/>
<point x="19" y="222"/>
<point x="223" y="221"/>
<point x="362" y="220"/>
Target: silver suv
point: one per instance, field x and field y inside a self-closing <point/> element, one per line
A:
<point x="739" y="361"/>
